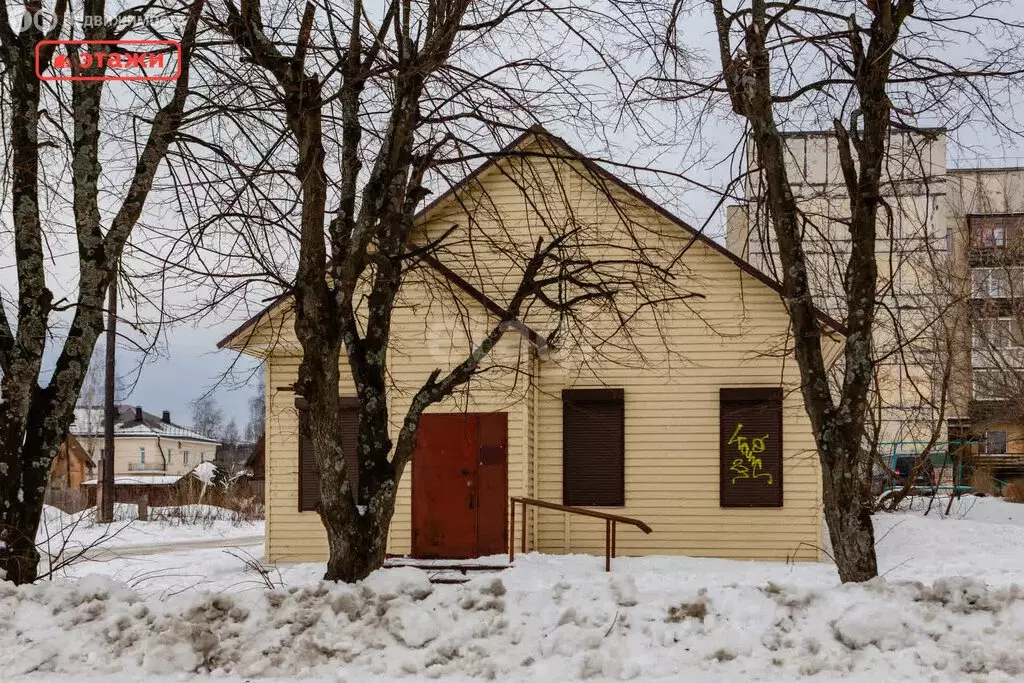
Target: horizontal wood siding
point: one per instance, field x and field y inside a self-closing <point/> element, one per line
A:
<point x="424" y="340"/>
<point x="672" y="431"/>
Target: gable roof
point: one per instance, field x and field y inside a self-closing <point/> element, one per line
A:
<point x="697" y="235"/>
<point x="571" y="154"/>
<point x="89" y="422"/>
<point x="73" y="447"/>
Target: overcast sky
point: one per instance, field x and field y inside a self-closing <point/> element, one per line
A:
<point x="188" y="364"/>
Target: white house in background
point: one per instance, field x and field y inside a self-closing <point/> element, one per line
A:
<point x="144" y="444"/>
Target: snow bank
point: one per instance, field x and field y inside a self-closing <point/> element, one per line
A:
<point x="524" y="625"/>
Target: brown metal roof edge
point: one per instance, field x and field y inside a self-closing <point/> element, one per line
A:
<point x="253" y="320"/>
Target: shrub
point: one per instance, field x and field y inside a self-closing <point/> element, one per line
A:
<point x="1013" y="492"/>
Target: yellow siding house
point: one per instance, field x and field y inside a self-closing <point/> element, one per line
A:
<point x="690" y="420"/>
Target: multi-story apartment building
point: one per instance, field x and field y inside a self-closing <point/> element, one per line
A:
<point x="986" y="210"/>
<point x="949" y="346"/>
<point x="911" y="242"/>
<point x="144" y="444"/>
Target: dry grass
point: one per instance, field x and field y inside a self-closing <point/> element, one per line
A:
<point x="981" y="481"/>
<point x="688" y="610"/>
<point x="1013" y="492"/>
<point x="184" y="507"/>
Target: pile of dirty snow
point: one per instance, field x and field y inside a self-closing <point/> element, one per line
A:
<point x="948" y="608"/>
<point x="537" y="627"/>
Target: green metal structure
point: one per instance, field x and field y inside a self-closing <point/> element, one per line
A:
<point x="939" y="459"/>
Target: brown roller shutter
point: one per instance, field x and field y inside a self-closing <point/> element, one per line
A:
<point x="309" y="477"/>
<point x="593" y="447"/>
<point x="750" y="447"/>
<point x="349" y="436"/>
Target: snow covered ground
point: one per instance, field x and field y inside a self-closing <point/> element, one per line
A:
<point x="948" y="609"/>
<point x="61" y="532"/>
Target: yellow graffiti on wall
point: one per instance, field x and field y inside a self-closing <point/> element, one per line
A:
<point x="749" y="466"/>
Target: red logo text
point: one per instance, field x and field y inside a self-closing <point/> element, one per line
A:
<point x="110" y="60"/>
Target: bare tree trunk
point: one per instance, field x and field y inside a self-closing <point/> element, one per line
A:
<point x="839" y="422"/>
<point x="35" y="418"/>
<point x="848" y="506"/>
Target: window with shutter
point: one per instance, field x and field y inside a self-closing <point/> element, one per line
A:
<point x="750" y="447"/>
<point x="309" y="478"/>
<point x="593" y="447"/>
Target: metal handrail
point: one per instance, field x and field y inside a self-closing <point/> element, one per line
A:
<point x="610" y="521"/>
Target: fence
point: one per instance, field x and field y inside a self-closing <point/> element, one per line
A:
<point x="241" y="495"/>
<point x="68" y="500"/>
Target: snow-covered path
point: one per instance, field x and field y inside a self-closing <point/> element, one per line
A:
<point x="115" y="551"/>
<point x="64" y="532"/>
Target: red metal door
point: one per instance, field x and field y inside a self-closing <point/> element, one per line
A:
<point x="492" y="485"/>
<point x="459" y="485"/>
<point x="444" y="487"/>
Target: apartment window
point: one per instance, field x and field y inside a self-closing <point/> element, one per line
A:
<point x="995" y="442"/>
<point x="997" y="285"/>
<point x="986" y="383"/>
<point x="202" y="456"/>
<point x="992" y="236"/>
<point x="170" y="455"/>
<point x="993" y="283"/>
<point x="979" y="283"/>
<point x="994" y="230"/>
<point x="142" y="456"/>
<point x="997" y="333"/>
<point x="184" y="457"/>
<point x="593" y="447"/>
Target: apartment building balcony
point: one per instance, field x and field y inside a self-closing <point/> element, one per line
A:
<point x="999" y="461"/>
<point x="995" y="239"/>
<point x="989" y="410"/>
<point x="996" y="257"/>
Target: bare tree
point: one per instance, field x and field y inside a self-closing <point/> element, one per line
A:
<point x="230" y="435"/>
<point x="870" y="73"/>
<point x="65" y="126"/>
<point x="207" y="417"/>
<point x="375" y="108"/>
<point x="256" y="425"/>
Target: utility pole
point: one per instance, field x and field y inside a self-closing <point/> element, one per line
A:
<point x="106" y="502"/>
